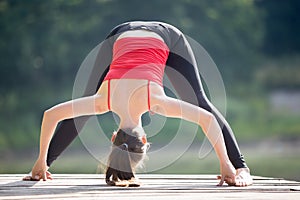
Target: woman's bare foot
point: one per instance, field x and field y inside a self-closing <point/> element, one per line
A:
<point x="243" y="177"/>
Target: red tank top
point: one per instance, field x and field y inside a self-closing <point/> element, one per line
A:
<point x="138" y="58"/>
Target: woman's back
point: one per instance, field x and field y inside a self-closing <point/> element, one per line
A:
<point x="136" y="71"/>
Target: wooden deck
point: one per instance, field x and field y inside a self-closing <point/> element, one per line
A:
<point x="92" y="186"/>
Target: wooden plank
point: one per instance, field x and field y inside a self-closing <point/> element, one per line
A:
<point x="155" y="186"/>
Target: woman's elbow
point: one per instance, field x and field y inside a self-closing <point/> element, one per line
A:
<point x="49" y="115"/>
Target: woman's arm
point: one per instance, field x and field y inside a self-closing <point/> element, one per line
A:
<point x="170" y="107"/>
<point x="84" y="106"/>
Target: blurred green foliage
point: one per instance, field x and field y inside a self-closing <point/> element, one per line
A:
<point x="255" y="45"/>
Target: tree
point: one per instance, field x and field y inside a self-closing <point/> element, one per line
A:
<point x="282" y="22"/>
<point x="44" y="42"/>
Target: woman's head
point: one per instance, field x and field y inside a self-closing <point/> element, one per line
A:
<point x="128" y="151"/>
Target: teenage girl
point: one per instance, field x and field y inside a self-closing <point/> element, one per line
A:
<point x="180" y="57"/>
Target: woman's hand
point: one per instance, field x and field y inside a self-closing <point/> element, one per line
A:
<point x="39" y="171"/>
<point x="30" y="178"/>
<point x="227" y="174"/>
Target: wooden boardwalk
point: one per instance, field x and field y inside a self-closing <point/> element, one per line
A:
<point x="92" y="186"/>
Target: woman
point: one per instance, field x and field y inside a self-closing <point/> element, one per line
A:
<point x="181" y="59"/>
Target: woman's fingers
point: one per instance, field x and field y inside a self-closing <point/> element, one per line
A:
<point x="221" y="181"/>
<point x="43" y="176"/>
<point x="49" y="175"/>
<point x="230" y="181"/>
<point x="28" y="178"/>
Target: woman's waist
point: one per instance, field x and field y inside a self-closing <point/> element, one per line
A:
<point x="128" y="90"/>
<point x="139" y="33"/>
<point x="135" y="73"/>
<point x="129" y="86"/>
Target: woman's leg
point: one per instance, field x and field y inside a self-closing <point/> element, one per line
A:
<point x="182" y="60"/>
<point x="182" y="64"/>
<point x="68" y="129"/>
